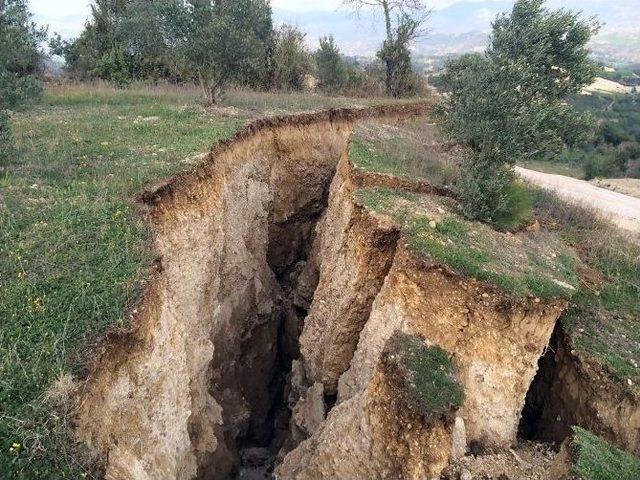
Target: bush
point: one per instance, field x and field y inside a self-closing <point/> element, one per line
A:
<point x="332" y="70"/>
<point x="292" y="61"/>
<point x="114" y="67"/>
<point x="602" y="164"/>
<point x="491" y="193"/>
<point x="516" y="208"/>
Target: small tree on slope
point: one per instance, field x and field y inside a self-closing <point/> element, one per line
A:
<point x="332" y="70"/>
<point x="510" y="103"/>
<point x="410" y="17"/>
<point x="20" y="59"/>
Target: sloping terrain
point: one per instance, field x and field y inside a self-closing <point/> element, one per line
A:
<point x="315" y="312"/>
<point x="313" y="289"/>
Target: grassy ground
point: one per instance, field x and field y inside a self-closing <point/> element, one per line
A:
<point x="72" y="247"/>
<point x="603" y="320"/>
<point x="246" y="102"/>
<point x="407" y="151"/>
<point x="596" y="459"/>
<point x="524" y="264"/>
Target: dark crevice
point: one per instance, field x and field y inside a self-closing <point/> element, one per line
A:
<point x="330" y="400"/>
<point x="540" y="421"/>
<point x="288" y="255"/>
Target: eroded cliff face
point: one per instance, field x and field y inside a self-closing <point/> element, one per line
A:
<point x="195" y="376"/>
<point x="262" y="343"/>
<point x="375" y="434"/>
<point x="355" y="252"/>
<point x="572" y="389"/>
<point x="496" y="341"/>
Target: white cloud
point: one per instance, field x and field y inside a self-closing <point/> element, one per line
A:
<point x="307" y="6"/>
<point x="66" y="17"/>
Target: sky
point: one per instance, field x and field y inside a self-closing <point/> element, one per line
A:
<point x="358" y="35"/>
<point x="67" y="17"/>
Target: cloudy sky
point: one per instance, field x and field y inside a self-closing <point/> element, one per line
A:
<point x="355" y="35"/>
<point x="67" y="16"/>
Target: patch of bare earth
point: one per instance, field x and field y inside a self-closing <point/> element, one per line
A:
<point x="626" y="186"/>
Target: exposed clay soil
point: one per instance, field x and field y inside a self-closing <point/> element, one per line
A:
<point x="258" y="349"/>
<point x="526" y="461"/>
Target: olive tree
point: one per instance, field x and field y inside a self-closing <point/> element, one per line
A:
<point x="223" y="41"/>
<point x="510" y="103"/>
<point x="403" y="20"/>
<point x="291" y="60"/>
<point x="20" y="61"/>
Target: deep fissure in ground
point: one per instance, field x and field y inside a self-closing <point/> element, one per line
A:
<point x="296" y="272"/>
<point x="289" y="258"/>
<point x="541" y="419"/>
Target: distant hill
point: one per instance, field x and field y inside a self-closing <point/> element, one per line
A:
<point x="463" y="27"/>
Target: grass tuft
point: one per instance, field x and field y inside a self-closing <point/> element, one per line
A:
<point x="597" y="459"/>
<point x="426" y="373"/>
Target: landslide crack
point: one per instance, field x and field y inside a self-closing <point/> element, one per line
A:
<point x="290" y="259"/>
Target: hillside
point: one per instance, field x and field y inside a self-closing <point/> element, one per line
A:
<point x="306" y="285"/>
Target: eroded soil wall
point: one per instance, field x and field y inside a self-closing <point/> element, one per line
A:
<point x="195" y="376"/>
<point x="371" y="287"/>
<point x="355" y="253"/>
<point x="571" y="390"/>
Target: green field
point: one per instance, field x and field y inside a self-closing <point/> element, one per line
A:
<point x="74" y="250"/>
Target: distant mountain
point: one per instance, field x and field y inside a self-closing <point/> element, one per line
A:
<point x="463" y="27"/>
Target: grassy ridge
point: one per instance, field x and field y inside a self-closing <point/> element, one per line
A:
<point x="72" y="248"/>
<point x="603" y="320"/>
<point x="404" y="152"/>
<point x="533" y="264"/>
<point x="597" y="459"/>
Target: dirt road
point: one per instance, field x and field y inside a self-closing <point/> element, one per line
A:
<point x="621" y="209"/>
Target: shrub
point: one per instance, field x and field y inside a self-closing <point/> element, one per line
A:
<point x="114" y="67"/>
<point x="601" y="164"/>
<point x="332" y="71"/>
<point x="490" y="192"/>
<point x="516" y="208"/>
<point x="292" y="61"/>
<point x="5" y="138"/>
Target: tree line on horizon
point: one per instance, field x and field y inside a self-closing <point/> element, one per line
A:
<point x="215" y="43"/>
<point x="508" y="104"/>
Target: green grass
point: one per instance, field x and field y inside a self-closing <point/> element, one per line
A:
<point x="603" y="321"/>
<point x="529" y="264"/>
<point x="73" y="250"/>
<point x="278" y="103"/>
<point x="383" y="199"/>
<point x="427" y="373"/>
<point x="402" y="153"/>
<point x="597" y="459"/>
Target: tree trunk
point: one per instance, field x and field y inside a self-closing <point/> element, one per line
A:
<point x="208" y="94"/>
<point x="389" y="63"/>
<point x="387" y="20"/>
